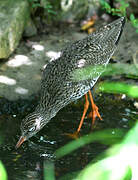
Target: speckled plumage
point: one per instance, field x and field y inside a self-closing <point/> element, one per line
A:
<point x="57" y="87"/>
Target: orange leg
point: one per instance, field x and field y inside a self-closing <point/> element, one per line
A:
<point x="75" y="135"/>
<point x="94" y="113"/>
<point x="86" y="105"/>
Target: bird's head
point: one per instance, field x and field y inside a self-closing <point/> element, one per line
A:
<point x="30" y="126"/>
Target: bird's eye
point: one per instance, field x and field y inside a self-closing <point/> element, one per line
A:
<point x="32" y="129"/>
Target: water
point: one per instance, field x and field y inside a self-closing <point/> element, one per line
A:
<point x="27" y="162"/>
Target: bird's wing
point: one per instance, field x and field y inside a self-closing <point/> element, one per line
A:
<point x="90" y="55"/>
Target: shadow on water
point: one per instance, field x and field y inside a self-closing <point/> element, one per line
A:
<point x="27" y="162"/>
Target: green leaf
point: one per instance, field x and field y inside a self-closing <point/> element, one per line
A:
<point x="36" y="5"/>
<point x="88" y="72"/>
<point x="105" y="6"/>
<point x="93" y="71"/>
<point x="3" y="174"/>
<point x="110" y="136"/>
<point x="49" y="171"/>
<point x="112" y="87"/>
<point x="132" y="17"/>
<point x="120" y="161"/>
<point x="70" y="176"/>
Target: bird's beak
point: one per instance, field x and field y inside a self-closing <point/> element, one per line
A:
<point x="21" y="140"/>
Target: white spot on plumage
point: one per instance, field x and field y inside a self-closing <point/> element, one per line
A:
<point x="81" y="62"/>
<point x="38" y="122"/>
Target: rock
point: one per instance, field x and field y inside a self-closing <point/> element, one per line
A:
<point x="13" y="17"/>
<point x="94" y="7"/>
<point x="76" y="10"/>
<point x="30" y="29"/>
<point x="135" y="58"/>
<point x="128" y="44"/>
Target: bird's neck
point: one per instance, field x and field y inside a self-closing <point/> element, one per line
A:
<point x="45" y="114"/>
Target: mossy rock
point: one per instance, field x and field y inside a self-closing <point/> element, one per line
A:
<point x="13" y="18"/>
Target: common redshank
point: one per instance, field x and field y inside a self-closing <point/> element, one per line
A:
<point x="57" y="86"/>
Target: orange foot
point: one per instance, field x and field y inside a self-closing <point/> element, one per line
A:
<point x="93" y="114"/>
<point x="74" y="135"/>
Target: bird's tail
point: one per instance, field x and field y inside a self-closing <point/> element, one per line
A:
<point x="114" y="30"/>
<point x="119" y="22"/>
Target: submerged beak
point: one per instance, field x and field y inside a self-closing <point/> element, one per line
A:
<point x="21" y="140"/>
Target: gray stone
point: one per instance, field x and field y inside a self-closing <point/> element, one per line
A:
<point x="76" y="10"/>
<point x="30" y="29"/>
<point x="13" y="17"/>
<point x="128" y="44"/>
